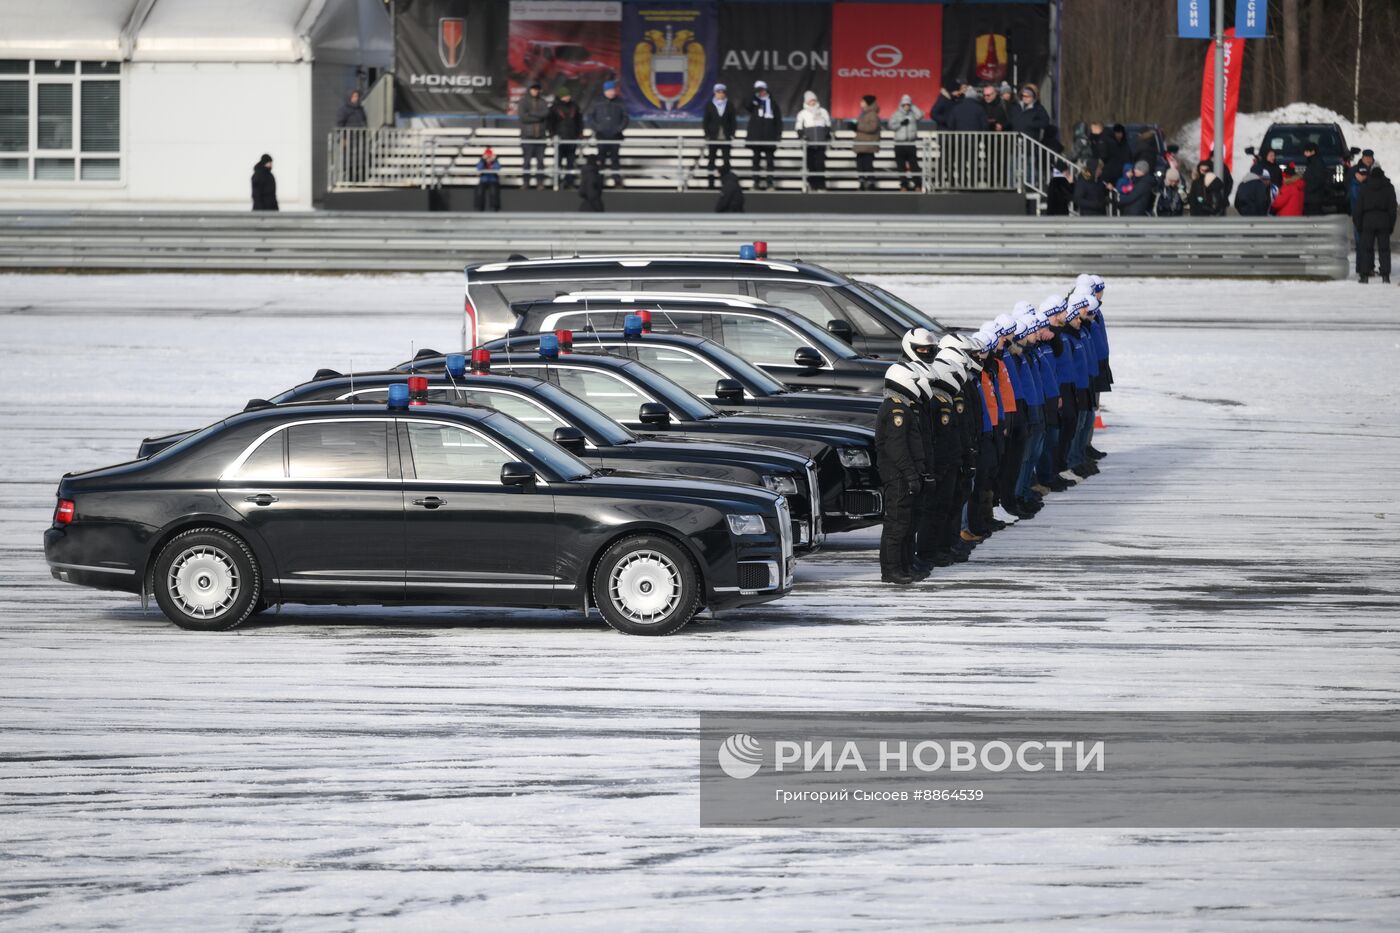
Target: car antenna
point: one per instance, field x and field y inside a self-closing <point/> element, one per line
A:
<point x="352" y="379"/>
<point x="412" y="357"/>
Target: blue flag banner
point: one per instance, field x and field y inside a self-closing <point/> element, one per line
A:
<point x="1193" y="18"/>
<point x="670" y="55"/>
<point x="1251" y="19"/>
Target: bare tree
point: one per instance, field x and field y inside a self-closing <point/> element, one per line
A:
<point x="1292" y="67"/>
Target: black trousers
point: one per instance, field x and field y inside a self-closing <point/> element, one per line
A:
<point x="906" y="162"/>
<point x="532" y="152"/>
<point x="897" y="533"/>
<point x="816" y="168"/>
<point x="1372" y="245"/>
<point x="717" y="156"/>
<point x="1009" y="469"/>
<point x="568" y="160"/>
<point x="979" y="508"/>
<point x="865" y="165"/>
<point x="610" y="154"/>
<point x="487" y="197"/>
<point x="941" y="516"/>
<point x="762" y="155"/>
<point x="1069" y="414"/>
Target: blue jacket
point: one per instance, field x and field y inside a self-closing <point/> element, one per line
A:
<point x="1079" y="360"/>
<point x="1030" y="380"/>
<point x="1014" y="373"/>
<point x="1045" y="363"/>
<point x="1064" y="363"/>
<point x="1101" y="337"/>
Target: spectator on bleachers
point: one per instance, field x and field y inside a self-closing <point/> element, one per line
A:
<point x="731" y="193"/>
<point x="904" y="124"/>
<point x="533" y="114"/>
<point x="488" y="182"/>
<point x="565" y="124"/>
<point x="590" y="188"/>
<point x="720" y="123"/>
<point x="867" y="141"/>
<point x="607" y="118"/>
<point x="943" y="105"/>
<point x="998" y="117"/>
<point x="764" y="130"/>
<point x="966" y="114"/>
<point x="1029" y="117"/>
<point x="1090" y="190"/>
<point x="813" y="127"/>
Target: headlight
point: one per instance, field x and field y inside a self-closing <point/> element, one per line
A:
<point x="854" y="456"/>
<point x="784" y="485"/>
<point x="746" y="524"/>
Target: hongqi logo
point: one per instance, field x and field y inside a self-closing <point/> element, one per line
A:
<point x="884" y="56"/>
<point x="452" y="33"/>
<point x="740" y="756"/>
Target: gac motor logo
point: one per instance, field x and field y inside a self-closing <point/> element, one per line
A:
<point x="884" y="56"/>
<point x="451" y="45"/>
<point x="452" y="36"/>
<point x="884" y="63"/>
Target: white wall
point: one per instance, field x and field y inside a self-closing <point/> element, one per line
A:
<point x="192" y="132"/>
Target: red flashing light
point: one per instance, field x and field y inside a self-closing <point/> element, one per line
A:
<point x="646" y="321"/>
<point x="760" y="249"/>
<point x="481" y="362"/>
<point x="64" y="514"/>
<point x="566" y="340"/>
<point x="418" y="390"/>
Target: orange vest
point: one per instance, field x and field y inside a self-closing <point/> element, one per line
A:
<point x="1008" y="394"/>
<point x="989" y="400"/>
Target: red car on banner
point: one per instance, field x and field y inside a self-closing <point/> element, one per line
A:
<point x="885" y="49"/>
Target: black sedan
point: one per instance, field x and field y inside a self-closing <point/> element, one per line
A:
<point x="639" y="396"/>
<point x="343" y="503"/>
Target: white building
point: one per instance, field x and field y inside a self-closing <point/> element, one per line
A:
<point x="169" y="103"/>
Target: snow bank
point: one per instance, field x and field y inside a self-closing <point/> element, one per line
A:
<point x="1384" y="138"/>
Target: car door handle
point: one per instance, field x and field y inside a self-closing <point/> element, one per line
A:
<point x="261" y="498"/>
<point x="431" y="502"/>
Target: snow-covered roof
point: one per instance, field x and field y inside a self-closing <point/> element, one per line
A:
<point x="348" y="31"/>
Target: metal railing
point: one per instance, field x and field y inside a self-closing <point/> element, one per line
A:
<point x="1274" y="247"/>
<point x="946" y="161"/>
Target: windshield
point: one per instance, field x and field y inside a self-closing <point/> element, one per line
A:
<point x="676" y="397"/>
<point x="584" y="416"/>
<point x="1289" y="140"/>
<point x="556" y="459"/>
<point x="897" y="307"/>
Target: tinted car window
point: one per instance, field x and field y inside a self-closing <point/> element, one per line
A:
<point x="338" y="450"/>
<point x="717" y="286"/>
<point x="529" y="291"/>
<point x="604" y="391"/>
<point x="268" y="461"/>
<point x="527" y="411"/>
<point x="677" y="322"/>
<point x="681" y="366"/>
<point x="447" y="454"/>
<point x="1290" y="140"/>
<point x="861" y="319"/>
<point x="806" y="300"/>
<point x="760" y="341"/>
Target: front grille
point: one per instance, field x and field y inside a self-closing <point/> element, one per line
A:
<point x="753" y="575"/>
<point x="785" y="529"/>
<point x="814" y="491"/>
<point x="861" y="502"/>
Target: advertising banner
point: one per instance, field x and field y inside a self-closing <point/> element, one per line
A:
<point x="670" y="58"/>
<point x="885" y="49"/>
<point x="1251" y="19"/>
<point x="449" y="57"/>
<point x="988" y="43"/>
<point x="1234" y="64"/>
<point x="1193" y="19"/>
<point x="787" y="45"/>
<point x="563" y="44"/>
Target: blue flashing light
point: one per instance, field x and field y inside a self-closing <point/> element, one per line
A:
<point x="549" y="346"/>
<point x="398" y="395"/>
<point x="456" y="364"/>
<point x="632" y="325"/>
<point x="748" y="252"/>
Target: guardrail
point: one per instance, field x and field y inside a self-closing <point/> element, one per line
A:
<point x="384" y="242"/>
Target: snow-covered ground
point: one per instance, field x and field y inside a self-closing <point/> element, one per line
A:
<point x="335" y="769"/>
<point x="1382" y="137"/>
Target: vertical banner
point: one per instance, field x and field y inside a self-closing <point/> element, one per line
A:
<point x="1234" y="64"/>
<point x="1193" y="19"/>
<point x="449" y="60"/>
<point x="988" y="43"/>
<point x="670" y="55"/>
<point x="1251" y="19"/>
<point x="885" y="49"/>
<point x="787" y="45"/>
<point x="563" y="45"/>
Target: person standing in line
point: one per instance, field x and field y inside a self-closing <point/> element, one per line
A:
<point x="764" y="130"/>
<point x="1374" y="218"/>
<point x="565" y="124"/>
<point x="867" y="141"/>
<point x="904" y="124"/>
<point x="608" y="120"/>
<point x="900" y="453"/>
<point x="264" y="185"/>
<point x="488" y="183"/>
<point x="533" y="113"/>
<point x="720" y="124"/>
<point x="813" y="127"/>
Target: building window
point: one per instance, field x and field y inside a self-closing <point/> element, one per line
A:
<point x="60" y="121"/>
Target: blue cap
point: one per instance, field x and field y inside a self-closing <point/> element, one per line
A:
<point x="549" y="346"/>
<point x="609" y="85"/>
<point x="456" y="364"/>
<point x="747" y="252"/>
<point x="632" y="325"/>
<point x="398" y="395"/>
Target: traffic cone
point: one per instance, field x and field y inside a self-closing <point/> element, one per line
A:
<point x="1098" y="422"/>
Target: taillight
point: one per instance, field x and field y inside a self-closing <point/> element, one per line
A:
<point x="63" y="515"/>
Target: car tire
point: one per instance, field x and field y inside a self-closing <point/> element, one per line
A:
<point x="646" y="585"/>
<point x="206" y="580"/>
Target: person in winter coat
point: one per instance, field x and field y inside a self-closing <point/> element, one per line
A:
<point x="351" y="114"/>
<point x="565" y="124"/>
<point x="1117" y="156"/>
<point x="1268" y="165"/>
<point x="967" y="115"/>
<point x="533" y="112"/>
<point x="264" y="185"/>
<point x="720" y="123"/>
<point x="590" y="188"/>
<point x="1090" y="191"/>
<point x="488" y="184"/>
<point x="1030" y="117"/>
<point x="764" y="130"/>
<point x="731" y="194"/>
<point x="1374" y="217"/>
<point x="1144" y="148"/>
<point x="1289" y="200"/>
<point x="813" y="126"/>
<point x="1254" y="195"/>
<point x="1207" y="197"/>
<point x="904" y="124"/>
<point x="1314" y="181"/>
<point x="938" y="113"/>
<point x="998" y="117"/>
<point x="607" y="118"/>
<point x="1139" y="194"/>
<point x="1171" y="200"/>
<point x="1060" y="193"/>
<point x="867" y="141"/>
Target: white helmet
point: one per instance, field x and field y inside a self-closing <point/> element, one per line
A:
<point x="900" y="378"/>
<point x="948" y="372"/>
<point x="1022" y="309"/>
<point x="1084" y="282"/>
<point x="919" y="344"/>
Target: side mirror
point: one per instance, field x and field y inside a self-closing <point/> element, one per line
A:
<point x="516" y="473"/>
<point x="1249" y="150"/>
<point x="570" y="438"/>
<point x="841" y="330"/>
<point x="654" y="414"/>
<point x="729" y="390"/>
<point x="807" y="358"/>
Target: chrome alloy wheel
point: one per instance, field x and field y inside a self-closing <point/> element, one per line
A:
<point x="645" y="586"/>
<point x="203" y="581"/>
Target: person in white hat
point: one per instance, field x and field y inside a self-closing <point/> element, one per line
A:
<point x="764" y="130"/>
<point x="720" y="123"/>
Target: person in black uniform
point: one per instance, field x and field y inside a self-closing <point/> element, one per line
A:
<point x="967" y="406"/>
<point x="938" y="531"/>
<point x="899" y="447"/>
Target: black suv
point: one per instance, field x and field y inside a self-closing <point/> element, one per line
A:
<point x="1287" y="139"/>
